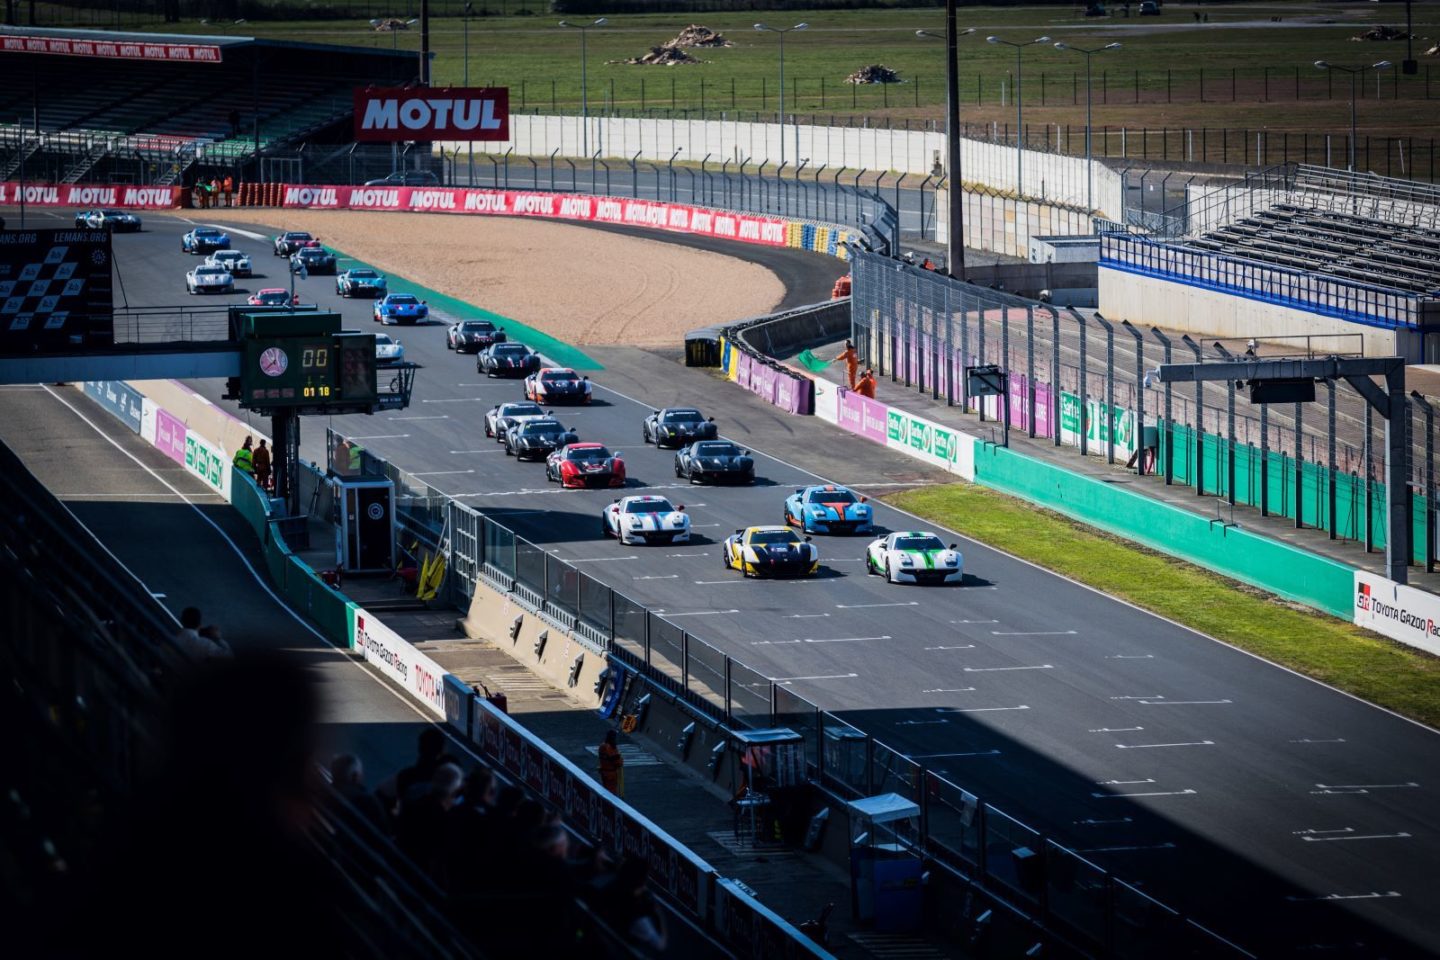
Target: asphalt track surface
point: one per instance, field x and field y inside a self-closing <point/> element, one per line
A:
<point x="1283" y="815"/>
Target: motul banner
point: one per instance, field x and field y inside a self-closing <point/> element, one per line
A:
<point x="129" y="50"/>
<point x="388" y="114"/>
<point x="679" y="217"/>
<point x="89" y="195"/>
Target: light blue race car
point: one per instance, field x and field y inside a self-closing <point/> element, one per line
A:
<point x="204" y="240"/>
<point x="828" y="509"/>
<point x="400" y="308"/>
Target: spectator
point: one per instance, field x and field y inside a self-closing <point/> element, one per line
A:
<point x="630" y="909"/>
<point x="414" y="780"/>
<point x="612" y="765"/>
<point x="211" y="632"/>
<point x="347" y="775"/>
<point x="473" y="831"/>
<point x="420" y="830"/>
<point x="245" y="458"/>
<point x="193" y="639"/>
<point x="852" y="362"/>
<point x="261" y="461"/>
<point x="228" y="187"/>
<point x="866" y="386"/>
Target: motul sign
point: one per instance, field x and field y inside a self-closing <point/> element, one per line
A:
<point x="420" y="113"/>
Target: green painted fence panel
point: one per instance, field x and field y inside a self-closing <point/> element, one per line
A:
<point x="1250" y="558"/>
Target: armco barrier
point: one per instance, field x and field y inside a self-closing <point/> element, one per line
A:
<point x="1268" y="564"/>
<point x="82" y="195"/>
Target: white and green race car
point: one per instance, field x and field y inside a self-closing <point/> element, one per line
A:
<point x="914" y="557"/>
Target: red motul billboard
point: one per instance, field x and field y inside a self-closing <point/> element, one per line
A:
<point x="432" y="113"/>
<point x="115" y="49"/>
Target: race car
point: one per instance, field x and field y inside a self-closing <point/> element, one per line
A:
<point x="360" y="282"/>
<point x="714" y="461"/>
<point x="272" y="297"/>
<point x="292" y="240"/>
<point x="677" y="426"/>
<point x="557" y="385"/>
<point x="645" y="520"/>
<point x="770" y="552"/>
<point x="396" y="308"/>
<point x="204" y="240"/>
<point x="828" y="509"/>
<point x="536" y="439"/>
<point x="388" y="349"/>
<point x="472" y="336"/>
<point x="315" y="260"/>
<point x="914" y="558"/>
<point x="507" y="360"/>
<point x="503" y="416"/>
<point x="120" y="221"/>
<point x="585" y="465"/>
<point x="233" y="260"/>
<point x="209" y="279"/>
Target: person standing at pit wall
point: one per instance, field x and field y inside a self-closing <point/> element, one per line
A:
<point x="245" y="458"/>
<point x="866" y="385"/>
<point x="612" y="765"/>
<point x="852" y="362"/>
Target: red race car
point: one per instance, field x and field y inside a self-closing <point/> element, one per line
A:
<point x="585" y="465"/>
<point x="273" y="297"/>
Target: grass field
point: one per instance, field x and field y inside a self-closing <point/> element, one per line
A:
<point x="1342" y="655"/>
<point x="1153" y="80"/>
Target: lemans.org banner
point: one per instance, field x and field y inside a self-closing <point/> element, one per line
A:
<point x="1401" y="613"/>
<point x="89" y="195"/>
<point x="679" y="217"/>
<point x="392" y="114"/>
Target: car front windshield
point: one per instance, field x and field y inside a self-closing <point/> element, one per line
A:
<point x="651" y="505"/>
<point x="560" y="378"/>
<point x="297" y="236"/>
<point x="716" y="450"/>
<point x="362" y="274"/>
<point x="477" y="327"/>
<point x="113" y="213"/>
<point x="588" y="454"/>
<point x="383" y="340"/>
<point x="509" y="350"/>
<point x="210" y="272"/>
<point x="403" y="301"/>
<point x="312" y="253"/>
<point x="830" y="496"/>
<point x="207" y="233"/>
<point x="273" y="296"/>
<point x="682" y="416"/>
<point x="520" y="410"/>
<point x="919" y="543"/>
<point x="765" y="537"/>
<point x="542" y="430"/>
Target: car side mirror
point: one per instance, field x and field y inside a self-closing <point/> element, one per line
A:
<point x="616" y="500"/>
<point x="864" y="499"/>
<point x="738" y="532"/>
<point x="681" y="507"/>
<point x="807" y="539"/>
<point x="710" y="420"/>
<point x="954" y="546"/>
<point x="798" y="490"/>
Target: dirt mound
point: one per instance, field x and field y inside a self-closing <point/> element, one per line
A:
<point x="389" y="24"/>
<point x="1432" y="52"/>
<point x="874" y="73"/>
<point x="1381" y="32"/>
<point x="663" y="56"/>
<point x="698" y="36"/>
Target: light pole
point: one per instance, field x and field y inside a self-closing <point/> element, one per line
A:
<point x="765" y="28"/>
<point x="954" y="196"/>
<point x="1089" y="107"/>
<point x="1355" y="74"/>
<point x="584" y="28"/>
<point x="1019" y="108"/>
<point x="470" y="182"/>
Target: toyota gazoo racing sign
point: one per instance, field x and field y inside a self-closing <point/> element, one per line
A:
<point x="388" y="114"/>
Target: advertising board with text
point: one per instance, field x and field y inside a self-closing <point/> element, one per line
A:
<point x="421" y="676"/>
<point x="1121" y="421"/>
<point x="392" y="114"/>
<point x="55" y="292"/>
<point x="1401" y="613"/>
<point x="84" y="195"/>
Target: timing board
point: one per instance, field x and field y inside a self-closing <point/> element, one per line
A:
<point x="55" y="291"/>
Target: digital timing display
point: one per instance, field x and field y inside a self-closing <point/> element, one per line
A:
<point x="309" y="371"/>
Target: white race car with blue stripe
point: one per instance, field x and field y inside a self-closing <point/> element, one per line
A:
<point x="914" y="557"/>
<point x="646" y="520"/>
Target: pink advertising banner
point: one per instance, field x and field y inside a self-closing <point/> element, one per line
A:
<point x="170" y="436"/>
<point x="862" y="415"/>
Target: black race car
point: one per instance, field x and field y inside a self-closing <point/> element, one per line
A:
<point x="677" y="426"/>
<point x="507" y="360"/>
<point x="714" y="461"/>
<point x="315" y="260"/>
<point x="472" y="336"/>
<point x="120" y="221"/>
<point x="537" y="439"/>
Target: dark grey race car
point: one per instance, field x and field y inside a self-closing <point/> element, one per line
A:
<point x="714" y="461"/>
<point x="677" y="426"/>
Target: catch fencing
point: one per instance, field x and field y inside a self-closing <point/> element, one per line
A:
<point x="1082" y="381"/>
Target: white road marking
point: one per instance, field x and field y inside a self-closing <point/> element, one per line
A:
<point x="1153" y="697"/>
<point x="831" y="676"/>
<point x="950" y="690"/>
<point x="919" y="723"/>
<point x="1043" y="666"/>
<point x="244" y="233"/>
<point x="1319" y="793"/>
<point x="846" y="639"/>
<point x="710" y="583"/>
<point x="1365" y="786"/>
<point x="1122" y="656"/>
<point x="964" y="646"/>
<point x="1308" y="740"/>
<point x="1103" y="823"/>
<point x="1121" y="783"/>
<point x="1160" y="702"/>
<point x="805" y="616"/>
<point x="771" y="643"/>
<point x="1147" y="846"/>
<point x="1301" y="833"/>
<point x="861" y="606"/>
<point x="157" y="596"/>
<point x="974" y="621"/>
<point x="387" y="436"/>
<point x="1116" y="729"/>
<point x="1389" y="894"/>
<point x="982" y="709"/>
<point x="598" y="559"/>
<point x="1187" y="792"/>
<point x="1032" y="633"/>
<point x="455" y="400"/>
<point x="666" y="576"/>
<point x="491" y="450"/>
<point x="443" y="416"/>
<point x="946" y="756"/>
<point x="1147" y="746"/>
<point x="695" y="613"/>
<point x="441" y="473"/>
<point x="692" y="553"/>
<point x="844" y="560"/>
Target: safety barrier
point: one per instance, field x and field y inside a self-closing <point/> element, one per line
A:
<point x="82" y="195"/>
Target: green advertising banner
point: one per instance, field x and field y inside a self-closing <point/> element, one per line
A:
<point x="207" y="462"/>
<point x="1120" y="420"/>
<point x="930" y="440"/>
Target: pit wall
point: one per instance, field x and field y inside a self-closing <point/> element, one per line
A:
<point x="1006" y="225"/>
<point x="83" y="195"/>
<point x="919" y="153"/>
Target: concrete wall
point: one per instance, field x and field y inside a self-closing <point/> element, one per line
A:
<point x="1046" y="176"/>
<point x="1193" y="309"/>
<point x="1005" y="225"/>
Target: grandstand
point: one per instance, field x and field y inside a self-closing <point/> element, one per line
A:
<point x="1324" y="251"/>
<point x="73" y="109"/>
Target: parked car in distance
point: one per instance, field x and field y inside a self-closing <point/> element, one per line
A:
<point x="406" y="178"/>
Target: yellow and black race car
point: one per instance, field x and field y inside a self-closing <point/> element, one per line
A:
<point x="770" y="552"/>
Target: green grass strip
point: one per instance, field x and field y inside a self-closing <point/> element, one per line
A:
<point x="557" y="351"/>
<point x="1341" y="654"/>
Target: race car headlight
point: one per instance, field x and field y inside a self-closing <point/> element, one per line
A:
<point x="817" y="511"/>
<point x="862" y="511"/>
<point x="636" y="522"/>
<point x="907" y="561"/>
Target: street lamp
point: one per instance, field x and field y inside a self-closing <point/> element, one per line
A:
<point x="469" y="7"/>
<point x="1089" y="105"/>
<point x="584" y="94"/>
<point x="764" y="28"/>
<point x="954" y="219"/>
<point x="1019" y="107"/>
<point x="1355" y="73"/>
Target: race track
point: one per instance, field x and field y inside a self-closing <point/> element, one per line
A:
<point x="1288" y="817"/>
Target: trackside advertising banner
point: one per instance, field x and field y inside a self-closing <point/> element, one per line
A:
<point x="89" y="195"/>
<point x="70" y="47"/>
<point x="421" y="677"/>
<point x="387" y="114"/>
<point x="679" y="217"/>
<point x="1401" y="613"/>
